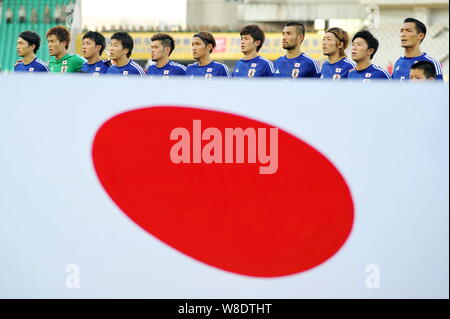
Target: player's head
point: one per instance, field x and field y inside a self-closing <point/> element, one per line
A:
<point x="293" y="35"/>
<point x="94" y="44"/>
<point x="28" y="43"/>
<point x="58" y="39"/>
<point x="121" y="46"/>
<point x="335" y="41"/>
<point x="162" y="46"/>
<point x="412" y="33"/>
<point x="364" y="45"/>
<point x="203" y="44"/>
<point x="252" y="38"/>
<point x="422" y="70"/>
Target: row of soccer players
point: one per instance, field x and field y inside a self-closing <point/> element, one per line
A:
<point x="295" y="64"/>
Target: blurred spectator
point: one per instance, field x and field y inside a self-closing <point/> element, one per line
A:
<point x="22" y="14"/>
<point x="34" y="16"/>
<point x="47" y="15"/>
<point x="9" y="15"/>
<point x="63" y="13"/>
<point x="57" y="14"/>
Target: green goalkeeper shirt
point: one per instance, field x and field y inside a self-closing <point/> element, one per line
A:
<point x="70" y="63"/>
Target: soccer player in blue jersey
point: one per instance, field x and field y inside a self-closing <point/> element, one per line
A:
<point x="295" y="64"/>
<point x="412" y="34"/>
<point x="121" y="48"/>
<point x="335" y="42"/>
<point x="161" y="48"/>
<point x="94" y="44"/>
<point x="203" y="43"/>
<point x="253" y="65"/>
<point x="422" y="71"/>
<point x="364" y="47"/>
<point x="28" y="45"/>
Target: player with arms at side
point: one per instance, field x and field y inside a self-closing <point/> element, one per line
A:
<point x="253" y="65"/>
<point x="203" y="43"/>
<point x="335" y="42"/>
<point x="28" y="45"/>
<point x="412" y="34"/>
<point x="121" y="48"/>
<point x="364" y="47"/>
<point x="94" y="44"/>
<point x="58" y="39"/>
<point x="161" y="48"/>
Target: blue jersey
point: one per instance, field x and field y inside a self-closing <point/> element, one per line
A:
<point x="168" y="70"/>
<point x="338" y="70"/>
<point x="132" y="68"/>
<point x="372" y="72"/>
<point x="208" y="71"/>
<point x="302" y="66"/>
<point x="253" y="68"/>
<point x="36" y="65"/>
<point x="403" y="66"/>
<point x="97" y="68"/>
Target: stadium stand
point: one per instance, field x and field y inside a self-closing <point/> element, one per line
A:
<point x="10" y="31"/>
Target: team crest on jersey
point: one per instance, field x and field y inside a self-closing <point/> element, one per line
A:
<point x="97" y="69"/>
<point x="31" y="69"/>
<point x="125" y="72"/>
<point x="208" y="76"/>
<point x="209" y="70"/>
<point x="368" y="75"/>
<point x="295" y="73"/>
<point x="297" y="65"/>
<point x="336" y="77"/>
<point x="338" y="70"/>
<point x="166" y="72"/>
<point x="251" y="73"/>
<point x="254" y="65"/>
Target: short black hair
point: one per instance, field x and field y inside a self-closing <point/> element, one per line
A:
<point x="372" y="42"/>
<point x="126" y="40"/>
<point x="256" y="32"/>
<point x="427" y="67"/>
<point x="32" y="38"/>
<point x="166" y="40"/>
<point x="420" y="26"/>
<point x="300" y="26"/>
<point x="98" y="38"/>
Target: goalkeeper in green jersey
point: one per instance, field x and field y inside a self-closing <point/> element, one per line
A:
<point x="58" y="43"/>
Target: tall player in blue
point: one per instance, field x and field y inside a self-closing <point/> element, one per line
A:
<point x="28" y="45"/>
<point x="94" y="44"/>
<point x="121" y="48"/>
<point x="364" y="47"/>
<point x="203" y="43"/>
<point x="295" y="64"/>
<point x="412" y="34"/>
<point x="335" y="42"/>
<point x="253" y="65"/>
<point x="161" y="48"/>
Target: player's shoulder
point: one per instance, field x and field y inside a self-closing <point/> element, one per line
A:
<point x="280" y="59"/>
<point x="177" y="65"/>
<point x="193" y="65"/>
<point x="437" y="63"/>
<point x="77" y="57"/>
<point x="349" y="63"/>
<point x="380" y="71"/>
<point x="136" y="67"/>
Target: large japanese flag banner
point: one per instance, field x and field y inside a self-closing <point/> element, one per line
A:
<point x="148" y="188"/>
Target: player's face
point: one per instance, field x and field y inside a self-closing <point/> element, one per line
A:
<point x="199" y="49"/>
<point x="360" y="50"/>
<point x="55" y="47"/>
<point x="248" y="44"/>
<point x="291" y="38"/>
<point x="23" y="48"/>
<point x="157" y="50"/>
<point x="116" y="50"/>
<point x="409" y="36"/>
<point x="417" y="75"/>
<point x="330" y="44"/>
<point x="89" y="48"/>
